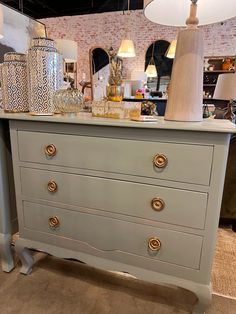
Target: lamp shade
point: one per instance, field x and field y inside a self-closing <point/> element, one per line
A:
<point x="126" y="49"/>
<point x="1" y="22"/>
<point x="171" y="50"/>
<point x="225" y="87"/>
<point x="68" y="48"/>
<point x="174" y="12"/>
<point x="151" y="70"/>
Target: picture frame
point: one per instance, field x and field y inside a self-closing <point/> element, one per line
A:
<point x="18" y="29"/>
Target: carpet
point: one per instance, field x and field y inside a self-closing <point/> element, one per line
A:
<point x="58" y="286"/>
<point x="223" y="273"/>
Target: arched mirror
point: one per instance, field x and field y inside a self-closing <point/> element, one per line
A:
<point x="157" y="52"/>
<point x="99" y="72"/>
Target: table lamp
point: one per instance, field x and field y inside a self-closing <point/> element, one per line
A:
<point x="186" y="87"/>
<point x="226" y="88"/>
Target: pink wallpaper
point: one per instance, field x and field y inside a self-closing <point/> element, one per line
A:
<point x="107" y="29"/>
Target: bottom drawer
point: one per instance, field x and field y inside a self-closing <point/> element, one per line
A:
<point x="109" y="234"/>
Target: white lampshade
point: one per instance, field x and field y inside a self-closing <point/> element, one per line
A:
<point x="126" y="49"/>
<point x="68" y="48"/>
<point x="226" y="87"/>
<point x="1" y="22"/>
<point x="151" y="70"/>
<point x="171" y="50"/>
<point x="174" y="12"/>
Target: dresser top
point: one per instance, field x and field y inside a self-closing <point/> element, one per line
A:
<point x="207" y="125"/>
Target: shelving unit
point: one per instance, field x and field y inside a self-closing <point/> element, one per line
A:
<point x="213" y="67"/>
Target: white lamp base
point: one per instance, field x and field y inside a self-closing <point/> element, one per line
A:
<point x="186" y="87"/>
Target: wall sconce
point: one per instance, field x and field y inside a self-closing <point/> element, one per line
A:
<point x="126" y="49"/>
<point x="186" y="87"/>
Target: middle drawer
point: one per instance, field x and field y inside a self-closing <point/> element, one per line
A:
<point x="169" y="205"/>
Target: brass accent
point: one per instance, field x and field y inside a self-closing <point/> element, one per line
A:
<point x="53" y="222"/>
<point x="52" y="186"/>
<point x="154" y="244"/>
<point x="160" y="160"/>
<point x="157" y="204"/>
<point x="50" y="150"/>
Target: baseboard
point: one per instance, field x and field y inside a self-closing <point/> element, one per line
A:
<point x="224" y="296"/>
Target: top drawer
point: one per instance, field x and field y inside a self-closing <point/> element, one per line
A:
<point x="174" y="161"/>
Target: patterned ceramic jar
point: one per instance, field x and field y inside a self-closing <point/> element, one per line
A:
<point x="43" y="42"/>
<point x="45" y="75"/>
<point x="14" y="56"/>
<point x="14" y="82"/>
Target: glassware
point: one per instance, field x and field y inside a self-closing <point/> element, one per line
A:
<point x="115" y="92"/>
<point x="69" y="100"/>
<point x="229" y="114"/>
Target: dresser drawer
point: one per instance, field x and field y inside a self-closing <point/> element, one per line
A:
<point x="113" y="235"/>
<point x="169" y="161"/>
<point x="141" y="200"/>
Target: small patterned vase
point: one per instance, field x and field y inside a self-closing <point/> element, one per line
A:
<point x="13" y="74"/>
<point x="45" y="75"/>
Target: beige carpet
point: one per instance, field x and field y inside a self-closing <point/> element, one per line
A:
<point x="68" y="287"/>
<point x="224" y="267"/>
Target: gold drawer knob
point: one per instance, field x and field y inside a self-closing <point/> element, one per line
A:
<point x="160" y="160"/>
<point x="154" y="244"/>
<point x="52" y="186"/>
<point x="50" y="150"/>
<point x="157" y="204"/>
<point x="53" y="222"/>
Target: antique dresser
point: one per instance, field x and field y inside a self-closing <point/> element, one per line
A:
<point x="143" y="198"/>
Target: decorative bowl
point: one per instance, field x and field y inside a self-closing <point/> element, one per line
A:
<point x="69" y="100"/>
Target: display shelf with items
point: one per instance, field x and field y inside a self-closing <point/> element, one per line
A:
<point x="213" y="66"/>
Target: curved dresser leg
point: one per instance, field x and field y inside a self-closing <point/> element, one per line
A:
<point x="7" y="260"/>
<point x="26" y="258"/>
<point x="204" y="295"/>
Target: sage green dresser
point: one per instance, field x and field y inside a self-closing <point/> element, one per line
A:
<point x="143" y="198"/>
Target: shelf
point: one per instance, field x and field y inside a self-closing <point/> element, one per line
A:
<point x="219" y="71"/>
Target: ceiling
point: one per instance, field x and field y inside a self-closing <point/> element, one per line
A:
<point x="46" y="8"/>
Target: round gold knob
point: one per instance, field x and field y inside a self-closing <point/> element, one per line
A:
<point x="53" y="222"/>
<point x="50" y="150"/>
<point x="154" y="244"/>
<point x="160" y="160"/>
<point x="157" y="204"/>
<point x="52" y="186"/>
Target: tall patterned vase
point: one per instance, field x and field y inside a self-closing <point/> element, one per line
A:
<point x="45" y="75"/>
<point x="14" y="82"/>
